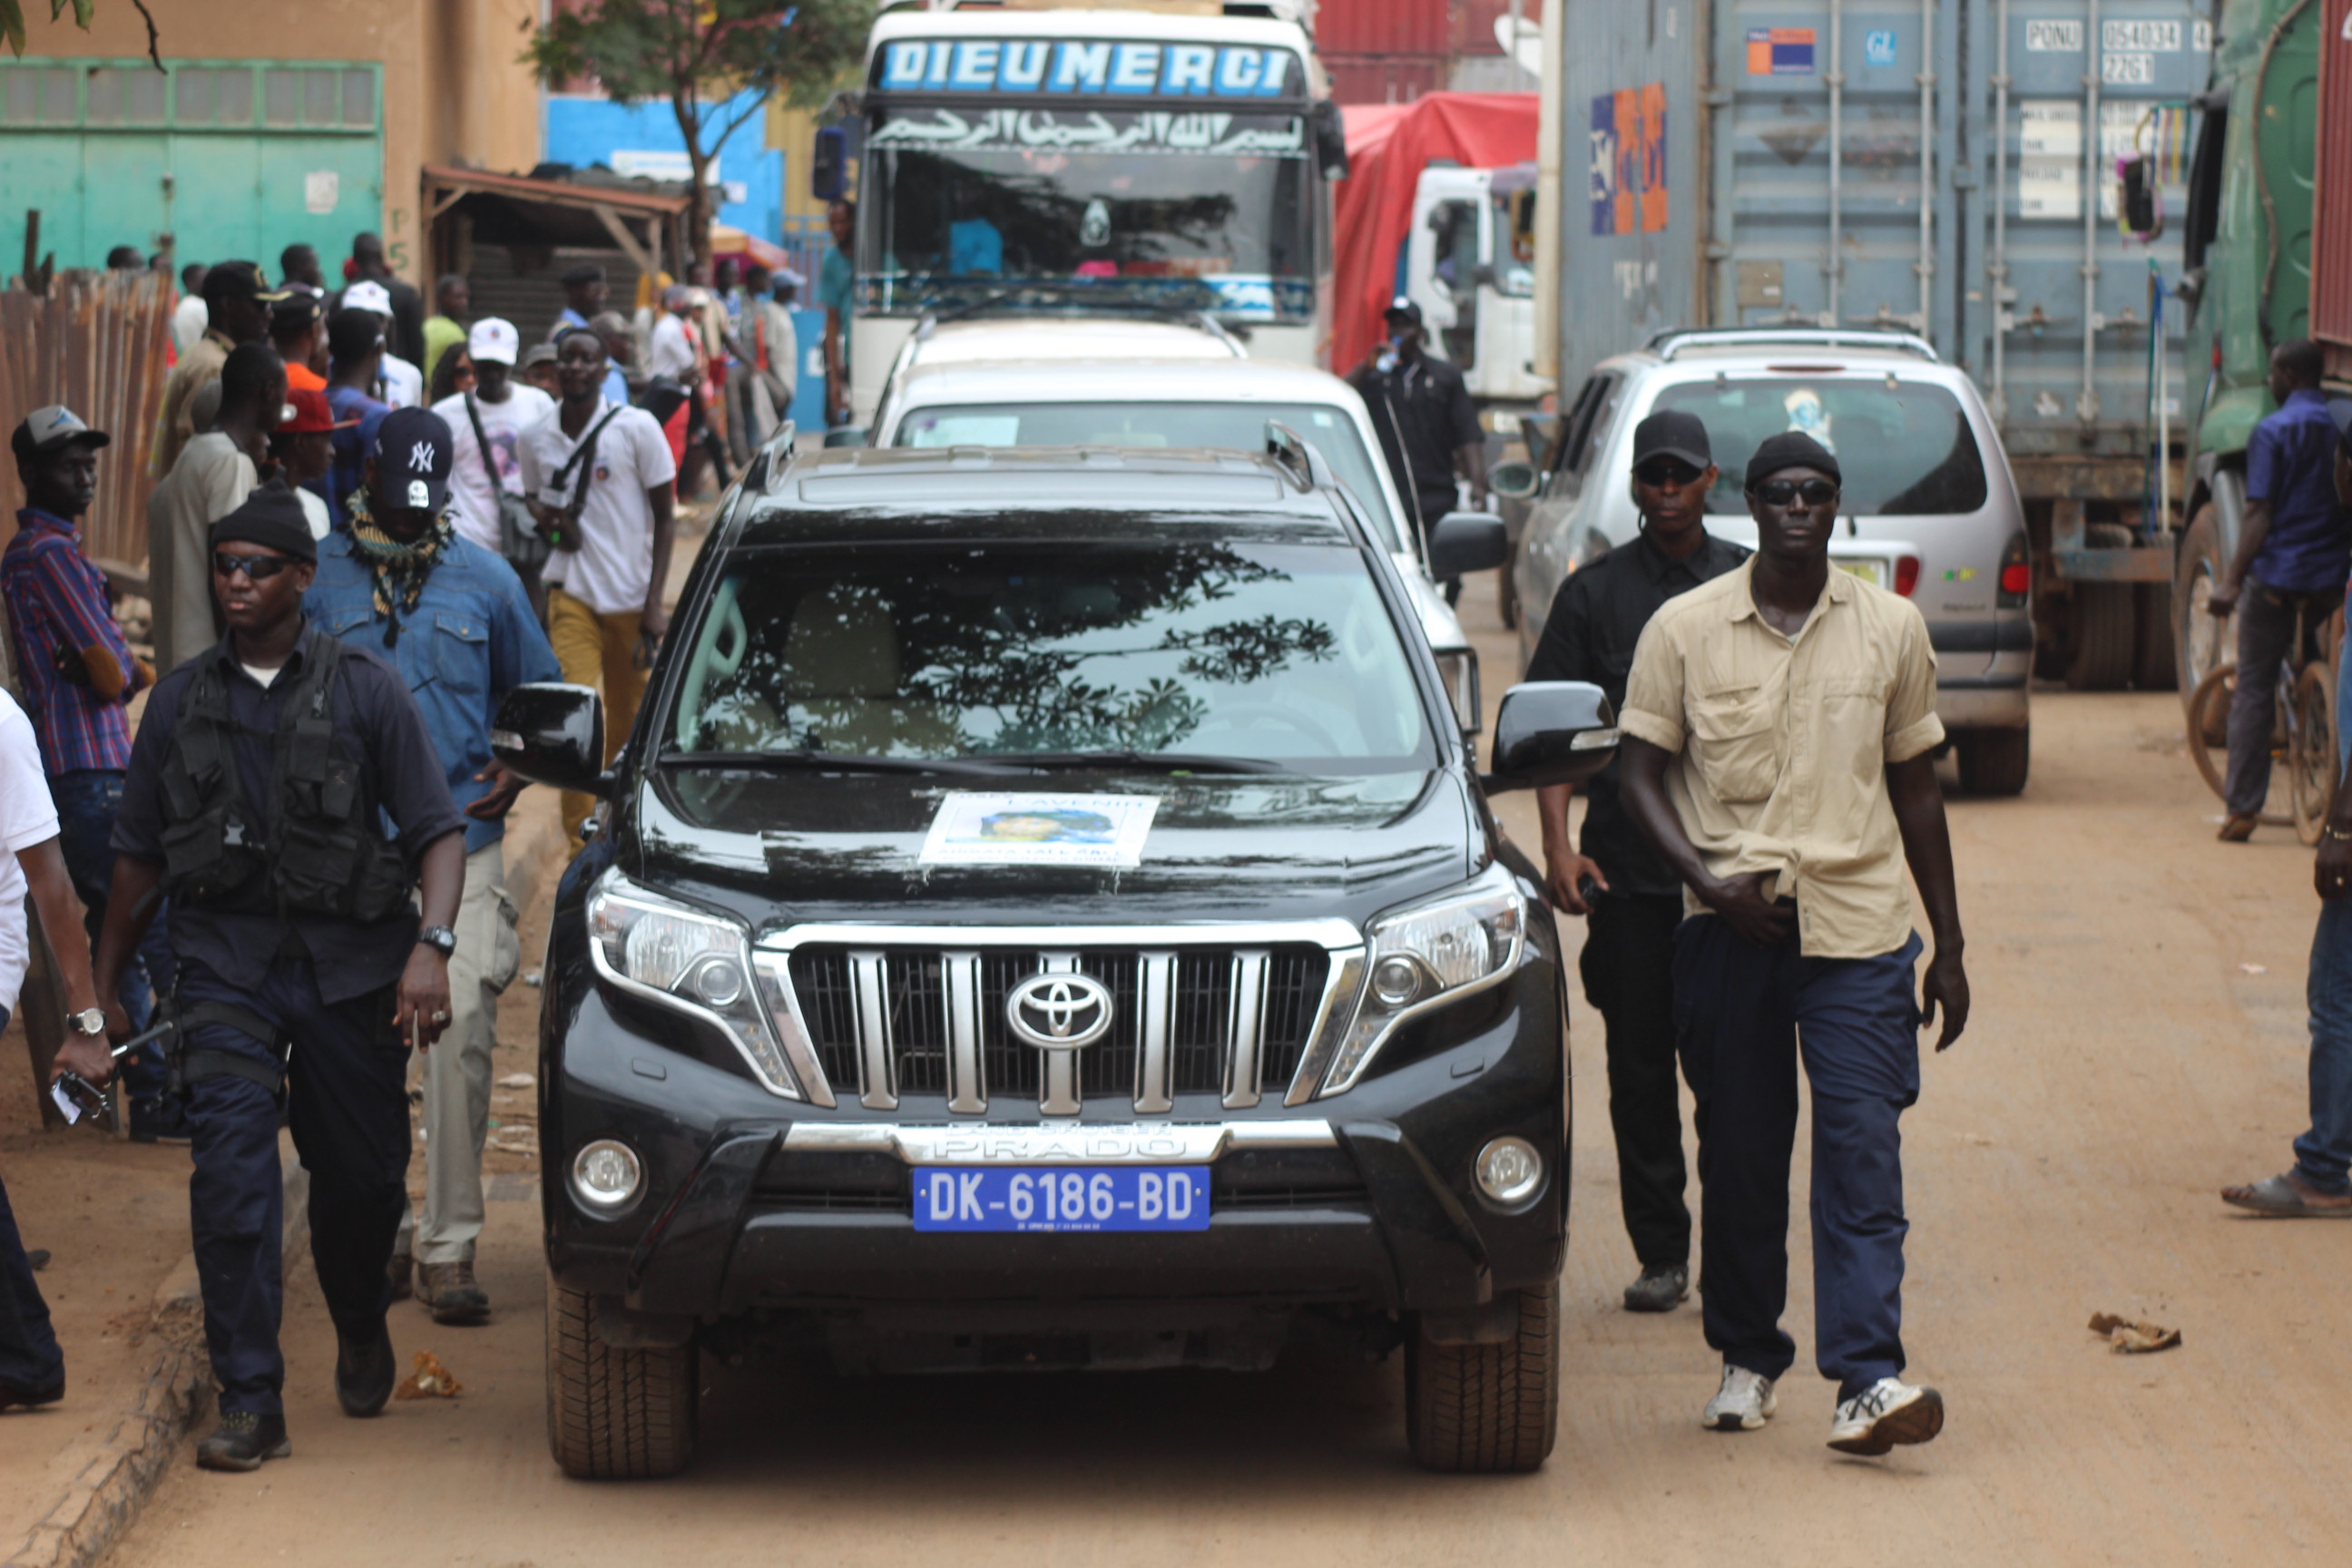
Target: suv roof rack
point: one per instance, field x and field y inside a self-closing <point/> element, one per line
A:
<point x="1298" y="457"/>
<point x="1667" y="344"/>
<point x="1051" y="300"/>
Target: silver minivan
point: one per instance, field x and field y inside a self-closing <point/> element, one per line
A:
<point x="1933" y="512"/>
<point x="1081" y="381"/>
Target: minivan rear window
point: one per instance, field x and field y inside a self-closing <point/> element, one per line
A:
<point x="1905" y="448"/>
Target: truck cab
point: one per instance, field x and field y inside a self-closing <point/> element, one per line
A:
<point x="1469" y="264"/>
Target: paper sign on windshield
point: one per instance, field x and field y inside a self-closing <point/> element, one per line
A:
<point x="976" y="828"/>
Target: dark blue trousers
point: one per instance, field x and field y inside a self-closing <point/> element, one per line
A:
<point x="347" y="1104"/>
<point x="1743" y="1013"/>
<point x="30" y="1361"/>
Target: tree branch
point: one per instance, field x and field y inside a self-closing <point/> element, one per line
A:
<point x="154" y="49"/>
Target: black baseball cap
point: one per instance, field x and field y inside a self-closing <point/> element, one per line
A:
<point x="412" y="454"/>
<point x="1673" y="433"/>
<point x="273" y="517"/>
<point x="45" y="430"/>
<point x="1401" y="308"/>
<point x="239" y="280"/>
<point x="1790" y="449"/>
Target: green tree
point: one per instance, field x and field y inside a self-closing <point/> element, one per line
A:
<point x="699" y="56"/>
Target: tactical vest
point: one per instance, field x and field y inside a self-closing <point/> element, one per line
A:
<point x="322" y="855"/>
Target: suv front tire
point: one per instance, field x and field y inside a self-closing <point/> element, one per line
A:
<point x="1487" y="1409"/>
<point x="615" y="1413"/>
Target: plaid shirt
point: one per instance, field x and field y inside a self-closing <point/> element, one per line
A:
<point x="57" y="599"/>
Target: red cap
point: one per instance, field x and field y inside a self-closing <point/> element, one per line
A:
<point x="306" y="413"/>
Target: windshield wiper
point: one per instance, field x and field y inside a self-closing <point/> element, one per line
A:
<point x="1156" y="762"/>
<point x="843" y="761"/>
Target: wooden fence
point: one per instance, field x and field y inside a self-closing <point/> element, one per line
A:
<point x="100" y="344"/>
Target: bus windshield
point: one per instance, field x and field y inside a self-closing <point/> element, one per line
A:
<point x="1206" y="210"/>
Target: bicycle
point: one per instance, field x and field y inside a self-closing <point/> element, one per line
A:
<point x="2302" y="737"/>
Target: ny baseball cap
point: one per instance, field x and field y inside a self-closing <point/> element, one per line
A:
<point x="306" y="413"/>
<point x="411" y="458"/>
<point x="44" y="431"/>
<point x="1403" y="307"/>
<point x="493" y="339"/>
<point x="367" y="294"/>
<point x="1672" y="433"/>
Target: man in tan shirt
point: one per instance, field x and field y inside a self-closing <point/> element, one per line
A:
<point x="1780" y="733"/>
<point x="214" y="473"/>
<point x="236" y="309"/>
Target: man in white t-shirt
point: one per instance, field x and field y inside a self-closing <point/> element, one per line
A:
<point x="32" y="1368"/>
<point x="403" y="384"/>
<point x="498" y="409"/>
<point x="608" y="514"/>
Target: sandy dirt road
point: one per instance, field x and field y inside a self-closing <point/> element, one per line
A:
<point x="2138" y="1041"/>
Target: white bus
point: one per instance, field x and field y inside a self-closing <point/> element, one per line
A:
<point x="1144" y="160"/>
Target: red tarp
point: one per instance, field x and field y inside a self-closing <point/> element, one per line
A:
<point x="1387" y="146"/>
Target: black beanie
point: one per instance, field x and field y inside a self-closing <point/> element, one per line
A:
<point x="1790" y="449"/>
<point x="272" y="517"/>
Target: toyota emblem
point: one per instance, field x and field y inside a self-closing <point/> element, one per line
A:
<point x="1059" y="1011"/>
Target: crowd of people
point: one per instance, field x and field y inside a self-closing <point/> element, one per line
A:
<point x="295" y="857"/>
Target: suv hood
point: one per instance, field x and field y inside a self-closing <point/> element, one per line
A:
<point x="783" y="849"/>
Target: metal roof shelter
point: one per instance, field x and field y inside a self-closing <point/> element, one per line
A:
<point x="644" y="223"/>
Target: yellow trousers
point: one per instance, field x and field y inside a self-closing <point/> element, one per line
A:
<point x="596" y="650"/>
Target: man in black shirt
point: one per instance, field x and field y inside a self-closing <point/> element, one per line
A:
<point x="1428" y="425"/>
<point x="263" y="773"/>
<point x="1596" y="620"/>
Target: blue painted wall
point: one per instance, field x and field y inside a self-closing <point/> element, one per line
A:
<point x="585" y="130"/>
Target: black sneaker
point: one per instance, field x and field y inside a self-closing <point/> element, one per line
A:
<point x="242" y="1441"/>
<point x="14" y="1398"/>
<point x="163" y="1120"/>
<point x="365" y="1372"/>
<point x="1661" y="1287"/>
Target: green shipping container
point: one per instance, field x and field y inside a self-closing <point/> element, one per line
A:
<point x="229" y="158"/>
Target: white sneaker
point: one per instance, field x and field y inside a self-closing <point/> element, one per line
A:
<point x="1744" y="1403"/>
<point x="1888" y="1412"/>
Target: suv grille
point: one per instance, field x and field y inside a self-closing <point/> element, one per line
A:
<point x="904" y="1022"/>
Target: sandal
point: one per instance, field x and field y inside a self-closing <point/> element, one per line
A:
<point x="2288" y="1197"/>
<point x="2237" y="829"/>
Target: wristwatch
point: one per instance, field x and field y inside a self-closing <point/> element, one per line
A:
<point x="440" y="938"/>
<point x="89" y="1022"/>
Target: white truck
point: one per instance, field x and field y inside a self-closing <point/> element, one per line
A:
<point x="1470" y="264"/>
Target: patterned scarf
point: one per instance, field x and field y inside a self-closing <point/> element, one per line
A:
<point x="399" y="570"/>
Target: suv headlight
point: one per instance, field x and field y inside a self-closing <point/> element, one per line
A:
<point x="693" y="962"/>
<point x="1429" y="952"/>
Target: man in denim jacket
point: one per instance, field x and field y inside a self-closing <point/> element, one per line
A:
<point x="453" y="618"/>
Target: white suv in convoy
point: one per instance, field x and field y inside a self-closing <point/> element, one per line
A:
<point x="1932" y="511"/>
<point x="1125" y="382"/>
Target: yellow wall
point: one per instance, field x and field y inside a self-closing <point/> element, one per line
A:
<point x="453" y="90"/>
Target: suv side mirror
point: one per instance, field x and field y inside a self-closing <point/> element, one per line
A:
<point x="1514" y="480"/>
<point x="1467" y="542"/>
<point x="1551" y="733"/>
<point x="553" y="733"/>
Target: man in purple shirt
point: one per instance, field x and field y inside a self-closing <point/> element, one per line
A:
<point x="78" y="674"/>
<point x="2292" y="552"/>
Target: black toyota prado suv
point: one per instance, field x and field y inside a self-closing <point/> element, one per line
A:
<point x="1047" y="915"/>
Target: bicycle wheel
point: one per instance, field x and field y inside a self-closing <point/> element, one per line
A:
<point x="2311" y="748"/>
<point x="2209" y="715"/>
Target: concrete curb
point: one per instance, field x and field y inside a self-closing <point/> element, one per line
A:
<point x="124" y="1467"/>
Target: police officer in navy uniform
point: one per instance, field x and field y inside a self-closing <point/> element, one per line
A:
<point x="259" y="789"/>
<point x="1428" y="424"/>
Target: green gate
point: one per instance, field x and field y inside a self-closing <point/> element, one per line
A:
<point x="230" y="158"/>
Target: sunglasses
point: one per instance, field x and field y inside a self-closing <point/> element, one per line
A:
<point x="1781" y="492"/>
<point x="257" y="568"/>
<point x="1666" y="471"/>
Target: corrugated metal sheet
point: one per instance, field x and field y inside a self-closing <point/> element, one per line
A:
<point x="1474" y="23"/>
<point x="2331" y="207"/>
<point x="1394" y="79"/>
<point x="96" y="343"/>
<point x="1386" y="28"/>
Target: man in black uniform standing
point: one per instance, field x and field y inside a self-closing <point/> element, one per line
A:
<point x="1428" y="425"/>
<point x="1635" y="901"/>
<point x="261" y="776"/>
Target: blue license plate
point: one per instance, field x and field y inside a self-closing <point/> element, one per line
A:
<point x="1062" y="1197"/>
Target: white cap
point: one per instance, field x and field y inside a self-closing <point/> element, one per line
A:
<point x="493" y="339"/>
<point x="367" y="294"/>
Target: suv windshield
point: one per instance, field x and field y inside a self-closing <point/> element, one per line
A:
<point x="1904" y="447"/>
<point x="1279" y="654"/>
<point x="1096" y="423"/>
<point x="1205" y="211"/>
